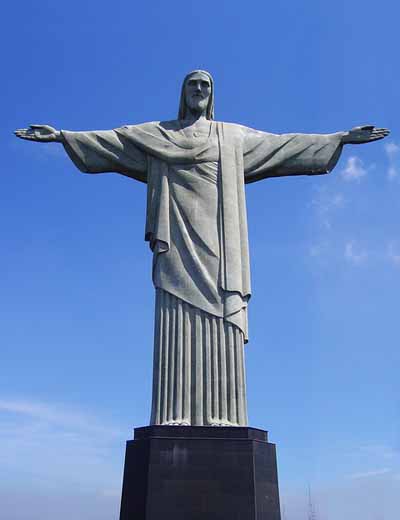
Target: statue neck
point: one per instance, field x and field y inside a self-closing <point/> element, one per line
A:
<point x="194" y="117"/>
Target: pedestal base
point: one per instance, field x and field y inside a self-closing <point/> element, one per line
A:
<point x="200" y="473"/>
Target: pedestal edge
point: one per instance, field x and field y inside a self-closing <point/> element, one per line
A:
<point x="201" y="432"/>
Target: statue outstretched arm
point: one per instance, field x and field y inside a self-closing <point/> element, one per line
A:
<point x="95" y="151"/>
<point x="271" y="155"/>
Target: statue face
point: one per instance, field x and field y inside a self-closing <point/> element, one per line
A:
<point x="197" y="92"/>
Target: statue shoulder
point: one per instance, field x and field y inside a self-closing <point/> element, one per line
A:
<point x="235" y="130"/>
<point x="148" y="126"/>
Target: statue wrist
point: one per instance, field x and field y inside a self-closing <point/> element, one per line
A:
<point x="344" y="137"/>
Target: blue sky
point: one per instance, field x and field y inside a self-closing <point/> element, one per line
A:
<point x="76" y="298"/>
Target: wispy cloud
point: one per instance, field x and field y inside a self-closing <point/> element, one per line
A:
<point x="382" y="451"/>
<point x="318" y="249"/>
<point x="393" y="253"/>
<point x="48" y="442"/>
<point x="56" y="415"/>
<point x="374" y="460"/>
<point x="393" y="153"/>
<point x="354" y="254"/>
<point x="369" y="474"/>
<point x="63" y="503"/>
<point x="354" y="169"/>
<point x="326" y="204"/>
<point x="355" y="498"/>
<point x="392" y="149"/>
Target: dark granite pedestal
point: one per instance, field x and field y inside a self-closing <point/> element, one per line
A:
<point x="200" y="473"/>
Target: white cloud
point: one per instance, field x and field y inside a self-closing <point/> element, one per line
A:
<point x="353" y="254"/>
<point x="392" y="151"/>
<point x="354" y="169"/>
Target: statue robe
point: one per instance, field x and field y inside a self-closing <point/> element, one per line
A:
<point x="197" y="228"/>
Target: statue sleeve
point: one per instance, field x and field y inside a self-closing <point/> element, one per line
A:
<point x="105" y="151"/>
<point x="271" y="155"/>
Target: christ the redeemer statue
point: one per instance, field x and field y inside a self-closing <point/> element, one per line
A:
<point x="196" y="169"/>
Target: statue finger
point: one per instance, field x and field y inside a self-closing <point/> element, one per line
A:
<point x="368" y="128"/>
<point x="381" y="133"/>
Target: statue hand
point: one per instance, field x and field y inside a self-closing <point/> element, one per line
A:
<point x="39" y="133"/>
<point x="364" y="134"/>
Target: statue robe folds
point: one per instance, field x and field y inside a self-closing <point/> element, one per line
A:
<point x="197" y="229"/>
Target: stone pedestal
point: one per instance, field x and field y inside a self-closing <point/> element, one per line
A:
<point x="200" y="473"/>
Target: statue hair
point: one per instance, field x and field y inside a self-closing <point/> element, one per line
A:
<point x="182" y="102"/>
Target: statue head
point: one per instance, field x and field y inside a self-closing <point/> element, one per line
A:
<point x="197" y="94"/>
